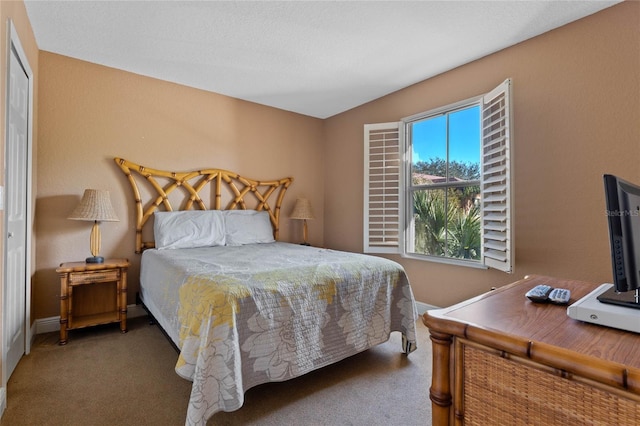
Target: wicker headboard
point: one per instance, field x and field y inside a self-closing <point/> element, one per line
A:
<point x="235" y="191"/>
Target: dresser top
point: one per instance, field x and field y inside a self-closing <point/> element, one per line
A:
<point x="506" y="319"/>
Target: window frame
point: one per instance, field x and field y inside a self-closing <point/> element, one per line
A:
<point x="410" y="188"/>
<point x="496" y="183"/>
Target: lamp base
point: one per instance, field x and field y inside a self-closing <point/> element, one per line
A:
<point x="94" y="259"/>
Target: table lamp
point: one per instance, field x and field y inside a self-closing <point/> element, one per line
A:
<point x="95" y="206"/>
<point x="302" y="210"/>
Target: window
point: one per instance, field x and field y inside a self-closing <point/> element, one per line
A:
<point x="443" y="190"/>
<point x="438" y="184"/>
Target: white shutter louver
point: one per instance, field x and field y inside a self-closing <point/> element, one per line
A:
<point x="497" y="210"/>
<point x="382" y="187"/>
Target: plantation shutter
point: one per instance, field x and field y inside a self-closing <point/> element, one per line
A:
<point x="382" y="187"/>
<point x="497" y="210"/>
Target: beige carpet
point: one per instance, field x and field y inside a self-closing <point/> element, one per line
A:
<point x="103" y="377"/>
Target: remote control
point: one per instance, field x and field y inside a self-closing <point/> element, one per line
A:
<point x="539" y="293"/>
<point x="560" y="296"/>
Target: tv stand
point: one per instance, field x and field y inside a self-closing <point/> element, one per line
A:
<point x="629" y="299"/>
<point x="613" y="313"/>
<point x="500" y="359"/>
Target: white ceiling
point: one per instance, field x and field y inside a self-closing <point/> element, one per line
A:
<point x="317" y="58"/>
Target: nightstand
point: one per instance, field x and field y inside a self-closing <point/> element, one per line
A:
<point x="92" y="294"/>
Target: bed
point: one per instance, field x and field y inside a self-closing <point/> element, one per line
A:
<point x="241" y="307"/>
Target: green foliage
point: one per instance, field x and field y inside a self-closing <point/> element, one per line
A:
<point x="430" y="222"/>
<point x="465" y="239"/>
<point x="447" y="225"/>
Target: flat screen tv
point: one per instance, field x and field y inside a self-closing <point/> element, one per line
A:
<point x="623" y="216"/>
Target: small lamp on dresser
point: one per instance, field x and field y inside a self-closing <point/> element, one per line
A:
<point x="302" y="210"/>
<point x="95" y="206"/>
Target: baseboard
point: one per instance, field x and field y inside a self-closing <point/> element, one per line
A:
<point x="48" y="325"/>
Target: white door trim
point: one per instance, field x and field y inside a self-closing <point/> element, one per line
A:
<point x="13" y="43"/>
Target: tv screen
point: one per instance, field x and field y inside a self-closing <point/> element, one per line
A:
<point x="623" y="216"/>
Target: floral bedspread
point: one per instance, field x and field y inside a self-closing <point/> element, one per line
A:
<point x="270" y="312"/>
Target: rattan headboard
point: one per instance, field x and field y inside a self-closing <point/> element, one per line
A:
<point x="235" y="191"/>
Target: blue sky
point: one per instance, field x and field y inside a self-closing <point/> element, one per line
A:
<point x="429" y="137"/>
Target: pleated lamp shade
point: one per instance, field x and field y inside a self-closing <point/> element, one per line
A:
<point x="302" y="209"/>
<point x="95" y="206"/>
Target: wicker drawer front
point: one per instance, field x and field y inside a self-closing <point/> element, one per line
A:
<point x="499" y="391"/>
<point x="93" y="277"/>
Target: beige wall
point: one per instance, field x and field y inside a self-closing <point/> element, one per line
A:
<point x="90" y="114"/>
<point x="576" y="106"/>
<point x="576" y="102"/>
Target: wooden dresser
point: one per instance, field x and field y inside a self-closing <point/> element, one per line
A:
<point x="499" y="359"/>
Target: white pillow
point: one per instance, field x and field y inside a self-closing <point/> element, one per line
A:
<point x="247" y="227"/>
<point x="188" y="229"/>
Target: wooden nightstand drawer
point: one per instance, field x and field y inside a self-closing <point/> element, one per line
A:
<point x="76" y="278"/>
